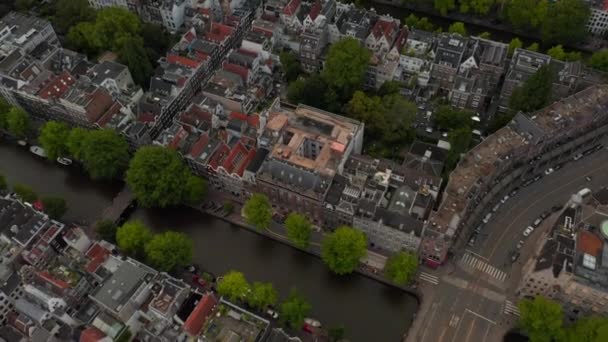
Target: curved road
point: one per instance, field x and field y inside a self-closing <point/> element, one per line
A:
<point x="471" y="302"/>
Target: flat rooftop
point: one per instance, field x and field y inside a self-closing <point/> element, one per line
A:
<point x="311" y="138"/>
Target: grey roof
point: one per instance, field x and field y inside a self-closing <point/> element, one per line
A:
<point x="241" y="59"/>
<point x="106" y="70"/>
<point x="450" y="50"/>
<point x="404" y="223"/>
<point x="19" y="221"/>
<point x="527" y="127"/>
<point x="31" y="310"/>
<point x="258" y="159"/>
<point x="117" y="290"/>
<point x="292" y="176"/>
<point x="204" y="46"/>
<point x="421" y="36"/>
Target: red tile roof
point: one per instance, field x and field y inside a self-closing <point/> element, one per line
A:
<point x="401" y="39"/>
<point x="219" y="33"/>
<point x="385" y="28"/>
<point x="91" y="334"/>
<point x="190" y="35"/>
<point x="589" y="243"/>
<point x="99" y="102"/>
<point x="58" y="86"/>
<point x="194" y="115"/>
<point x="220" y="155"/>
<point x="253" y="119"/>
<point x="235" y="158"/>
<point x="109" y="114"/>
<point x="183" y="61"/>
<point x="238" y="70"/>
<point x="59" y="284"/>
<point x="199" y="145"/>
<point x="241" y="169"/>
<point x="97" y="255"/>
<point x="291" y="7"/>
<point x="177" y="139"/>
<point x="199" y="315"/>
<point x="315" y="10"/>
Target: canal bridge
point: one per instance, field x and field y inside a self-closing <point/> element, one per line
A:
<point x="123" y="201"/>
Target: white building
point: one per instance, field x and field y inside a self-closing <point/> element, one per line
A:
<point x="97" y="4"/>
<point x="597" y="23"/>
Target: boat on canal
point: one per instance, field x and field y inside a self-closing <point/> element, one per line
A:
<point x="64" y="161"/>
<point x="39" y="151"/>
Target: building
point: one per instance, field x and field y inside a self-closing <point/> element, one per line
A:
<point x="307" y="148"/>
<point x="597" y="23"/>
<point x="571" y="266"/>
<point x="518" y="152"/>
<point x="449" y="55"/>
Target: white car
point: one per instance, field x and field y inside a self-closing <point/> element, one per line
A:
<point x="487" y="218"/>
<point x="528" y="231"/>
<point x="549" y="171"/>
<point x="504" y="199"/>
<point x="578" y="156"/>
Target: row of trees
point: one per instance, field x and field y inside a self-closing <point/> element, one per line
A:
<point x="14" y="120"/>
<point x="543" y="320"/>
<point x="157" y="176"/>
<point x="53" y="206"/>
<point x="341" y="250"/>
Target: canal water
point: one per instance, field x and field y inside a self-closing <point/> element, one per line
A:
<point x="369" y="311"/>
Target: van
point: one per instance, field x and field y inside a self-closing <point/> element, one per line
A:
<point x="584" y="192"/>
<point x="487" y="218"/>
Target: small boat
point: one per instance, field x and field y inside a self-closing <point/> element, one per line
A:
<point x="22" y="142"/>
<point x="64" y="161"/>
<point x="39" y="151"/>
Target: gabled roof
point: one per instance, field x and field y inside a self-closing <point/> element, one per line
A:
<point x="385" y="28"/>
<point x="97" y="255"/>
<point x="238" y="70"/>
<point x="91" y="334"/>
<point x="253" y="120"/>
<point x="219" y="33"/>
<point x="589" y="243"/>
<point x="198" y="147"/>
<point x="183" y="61"/>
<point x="199" y="315"/>
<point x="315" y="10"/>
<point x="58" y="86"/>
<point x="291" y="7"/>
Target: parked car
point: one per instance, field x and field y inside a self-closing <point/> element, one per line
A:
<point x="272" y="313"/>
<point x="22" y="142"/>
<point x="478" y="229"/>
<point x="537" y="222"/>
<point x="578" y="156"/>
<point x="528" y="231"/>
<point x="549" y="171"/>
<point x="496" y="207"/>
<point x="545" y="214"/>
<point x="520" y="244"/>
<point x="487" y="218"/>
<point x="514" y="256"/>
<point x="588" y="178"/>
<point x="504" y="199"/>
<point x="472" y="241"/>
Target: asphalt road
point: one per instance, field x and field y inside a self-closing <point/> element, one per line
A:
<point x="477" y="286"/>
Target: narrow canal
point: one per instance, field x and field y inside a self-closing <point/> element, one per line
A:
<point x="368" y="310"/>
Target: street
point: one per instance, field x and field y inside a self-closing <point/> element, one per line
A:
<point x="474" y="300"/>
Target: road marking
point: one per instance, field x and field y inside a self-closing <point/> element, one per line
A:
<point x="426" y="329"/>
<point x="471" y="261"/>
<point x="429" y="277"/>
<point x="454" y="320"/>
<point x="511" y="308"/>
<point x="485" y="336"/>
<point x="470" y="330"/>
<point x="480" y="316"/>
<point x="475" y="254"/>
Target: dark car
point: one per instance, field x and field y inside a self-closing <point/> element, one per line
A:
<point x="514" y="256"/>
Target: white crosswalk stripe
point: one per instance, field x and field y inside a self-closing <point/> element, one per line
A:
<point x="471" y="261"/>
<point x="511" y="308"/>
<point x="429" y="277"/>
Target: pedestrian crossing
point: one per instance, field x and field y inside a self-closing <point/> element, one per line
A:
<point x="471" y="261"/>
<point x="429" y="277"/>
<point x="511" y="309"/>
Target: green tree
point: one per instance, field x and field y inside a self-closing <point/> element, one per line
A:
<point x="526" y="14"/>
<point x="5" y="108"/>
<point x="262" y="295"/>
<point x="343" y="249"/>
<point x="460" y="140"/>
<point x="298" y="229"/>
<point x="234" y="286"/>
<point x="412" y="21"/>
<point x="132" y="238"/>
<point x="401" y="267"/>
<point x="542" y="319"/>
<point x="336" y="333"/>
<point x="3" y="183"/>
<point x="25" y="193"/>
<point x="55" y="207"/>
<point x="132" y="53"/>
<point x="588" y="329"/>
<point x="294" y="310"/>
<point x="156" y="41"/>
<point x="557" y="52"/>
<point x="345" y="67"/>
<point x="534" y="47"/>
<point x="113" y="24"/>
<point x="389" y="88"/>
<point x="448" y="118"/>
<point x="565" y="22"/>
<point x="258" y="211"/>
<point x="105" y="154"/>
<point x="169" y="251"/>
<point x="83" y="37"/>
<point x="290" y="66"/>
<point x="75" y="142"/>
<point x="481" y="7"/>
<point x="514" y="44"/>
<point x="458" y="27"/>
<point x="18" y="122"/>
<point x="125" y="336"/>
<point x="53" y="138"/>
<point x="71" y="12"/>
<point x="444" y="6"/>
<point x="599" y="60"/>
<point x="485" y="35"/>
<point x="535" y="93"/>
<point x="106" y="230"/>
<point x="158" y="177"/>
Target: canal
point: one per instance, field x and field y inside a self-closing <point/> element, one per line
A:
<point x="369" y="311"/>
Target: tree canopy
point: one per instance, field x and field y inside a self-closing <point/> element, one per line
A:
<point x="53" y="138"/>
<point x="343" y="249"/>
<point x="104" y="153"/>
<point x="542" y="319"/>
<point x="448" y="118"/>
<point x="106" y="230"/>
<point x="565" y="22"/>
<point x="345" y="67"/>
<point x="5" y="107"/>
<point x="526" y="14"/>
<point x="25" y="193"/>
<point x="294" y="309"/>
<point x="17" y="122"/>
<point x="169" y="251"/>
<point x="158" y="177"/>
<point x="588" y="329"/>
<point x="313" y="91"/>
<point x="71" y="12"/>
<point x="262" y="295"/>
<point x="233" y="286"/>
<point x="514" y="44"/>
<point x="132" y="238"/>
<point x="132" y="53"/>
<point x="401" y="267"/>
<point x="54" y="206"/>
<point x="559" y="53"/>
<point x="290" y="66"/>
<point x="599" y="60"/>
<point x="75" y="142"/>
<point x="412" y="21"/>
<point x="298" y="229"/>
<point x="458" y="27"/>
<point x="535" y="93"/>
<point x="258" y="211"/>
<point x="444" y="6"/>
